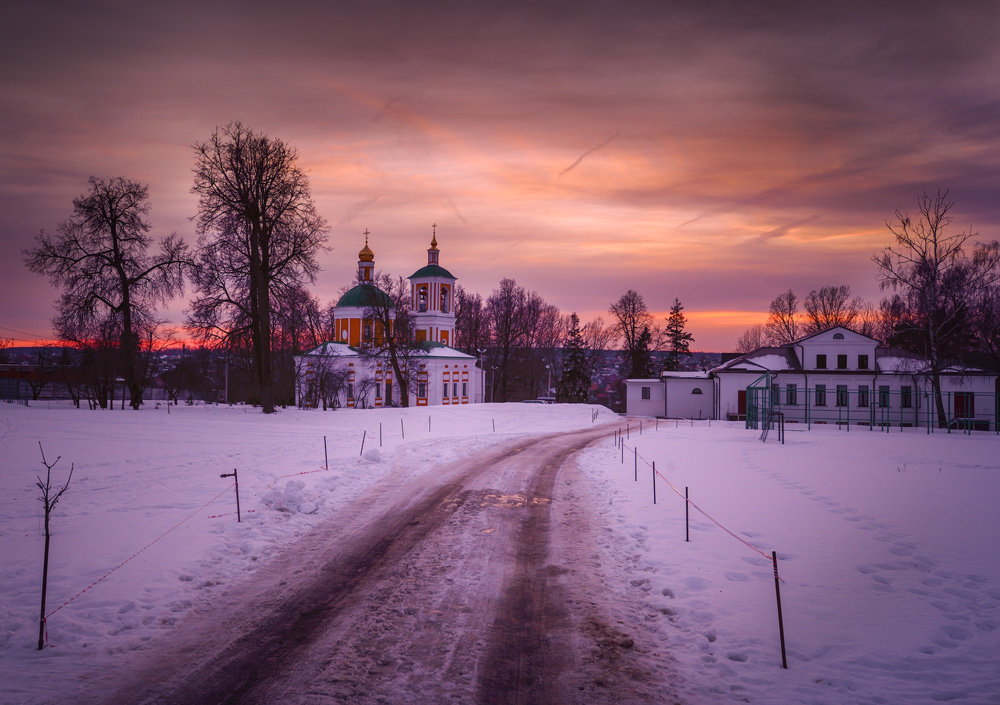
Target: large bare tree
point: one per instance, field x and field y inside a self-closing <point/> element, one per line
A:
<point x="100" y="257"/>
<point x="636" y="332"/>
<point x="259" y="236"/>
<point x="832" y="306"/>
<point x="388" y="331"/>
<point x="752" y="338"/>
<point x="782" y="319"/>
<point x="936" y="281"/>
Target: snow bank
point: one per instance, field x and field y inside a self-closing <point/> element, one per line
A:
<point x="886" y="542"/>
<point x="886" y="545"/>
<point x="141" y="506"/>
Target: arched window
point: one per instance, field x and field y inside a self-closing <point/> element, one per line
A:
<point x="422" y="299"/>
<point x="444" y="299"/>
<point x="696" y="390"/>
<point x="838" y="336"/>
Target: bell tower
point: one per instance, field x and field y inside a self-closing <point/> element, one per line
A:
<point x="432" y="293"/>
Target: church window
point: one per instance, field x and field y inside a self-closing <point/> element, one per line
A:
<point x="378" y="390"/>
<point x="350" y="391"/>
<point x="454" y="389"/>
<point x="863" y="395"/>
<point x="820" y="395"/>
<point x="838" y="336"/>
<point x="862" y="362"/>
<point x="821" y="362"/>
<point x="422" y="299"/>
<point x="465" y="389"/>
<point x="445" y="393"/>
<point x="697" y="390"/>
<point x="422" y="389"/>
<point x="841" y="362"/>
<point x="444" y="299"/>
<point x="906" y="396"/>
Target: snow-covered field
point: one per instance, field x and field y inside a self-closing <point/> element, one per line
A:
<point x="886" y="542"/>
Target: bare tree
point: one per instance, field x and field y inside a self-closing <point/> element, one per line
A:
<point x="986" y="324"/>
<point x="597" y="338"/>
<point x="259" y="234"/>
<point x="472" y="327"/>
<point x="936" y="282"/>
<point x="388" y="334"/>
<point x="751" y="339"/>
<point x="782" y="320"/>
<point x="49" y="498"/>
<point x="636" y="333"/>
<point x="832" y="306"/>
<point x="100" y="257"/>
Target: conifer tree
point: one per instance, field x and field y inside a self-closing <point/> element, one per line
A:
<point x="574" y="383"/>
<point x="678" y="339"/>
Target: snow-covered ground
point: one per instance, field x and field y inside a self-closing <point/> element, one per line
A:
<point x="886" y="542"/>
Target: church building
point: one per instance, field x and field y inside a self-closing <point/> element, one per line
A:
<point x="345" y="372"/>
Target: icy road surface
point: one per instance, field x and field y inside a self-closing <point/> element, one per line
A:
<point x="469" y="586"/>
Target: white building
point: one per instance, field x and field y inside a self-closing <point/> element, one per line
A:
<point x="338" y="373"/>
<point x="837" y="376"/>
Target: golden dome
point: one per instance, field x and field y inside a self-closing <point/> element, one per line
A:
<point x="366" y="254"/>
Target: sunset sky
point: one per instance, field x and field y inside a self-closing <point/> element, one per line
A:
<point x="717" y="152"/>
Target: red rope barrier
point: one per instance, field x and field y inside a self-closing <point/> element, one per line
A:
<point x="706" y="514"/>
<point x="100" y="579"/>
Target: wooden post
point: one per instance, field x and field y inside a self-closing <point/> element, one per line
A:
<point x="236" y="480"/>
<point x="363" y="434"/>
<point x="687" y="516"/>
<point x="654" y="482"/>
<point x="326" y="458"/>
<point x="781" y="622"/>
<point x="635" y="460"/>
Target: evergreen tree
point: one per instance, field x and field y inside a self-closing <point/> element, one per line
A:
<point x="678" y="339"/>
<point x="642" y="357"/>
<point x="574" y="383"/>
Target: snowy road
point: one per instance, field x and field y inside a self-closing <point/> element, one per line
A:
<point x="442" y="588"/>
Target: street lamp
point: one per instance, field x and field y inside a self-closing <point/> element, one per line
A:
<point x="548" y="389"/>
<point x="482" y="375"/>
<point x="493" y="387"/>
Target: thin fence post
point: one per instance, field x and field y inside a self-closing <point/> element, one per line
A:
<point x="428" y="423"/>
<point x="402" y="431"/>
<point x="236" y="481"/>
<point x="781" y="621"/>
<point x="623" y="452"/>
<point x="326" y="458"/>
<point x="628" y="431"/>
<point x="654" y="482"/>
<point x="635" y="460"/>
<point x="379" y="434"/>
<point x="363" y="435"/>
<point x="687" y="516"/>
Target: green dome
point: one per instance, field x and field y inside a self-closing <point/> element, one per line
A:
<point x="432" y="270"/>
<point x="365" y="296"/>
